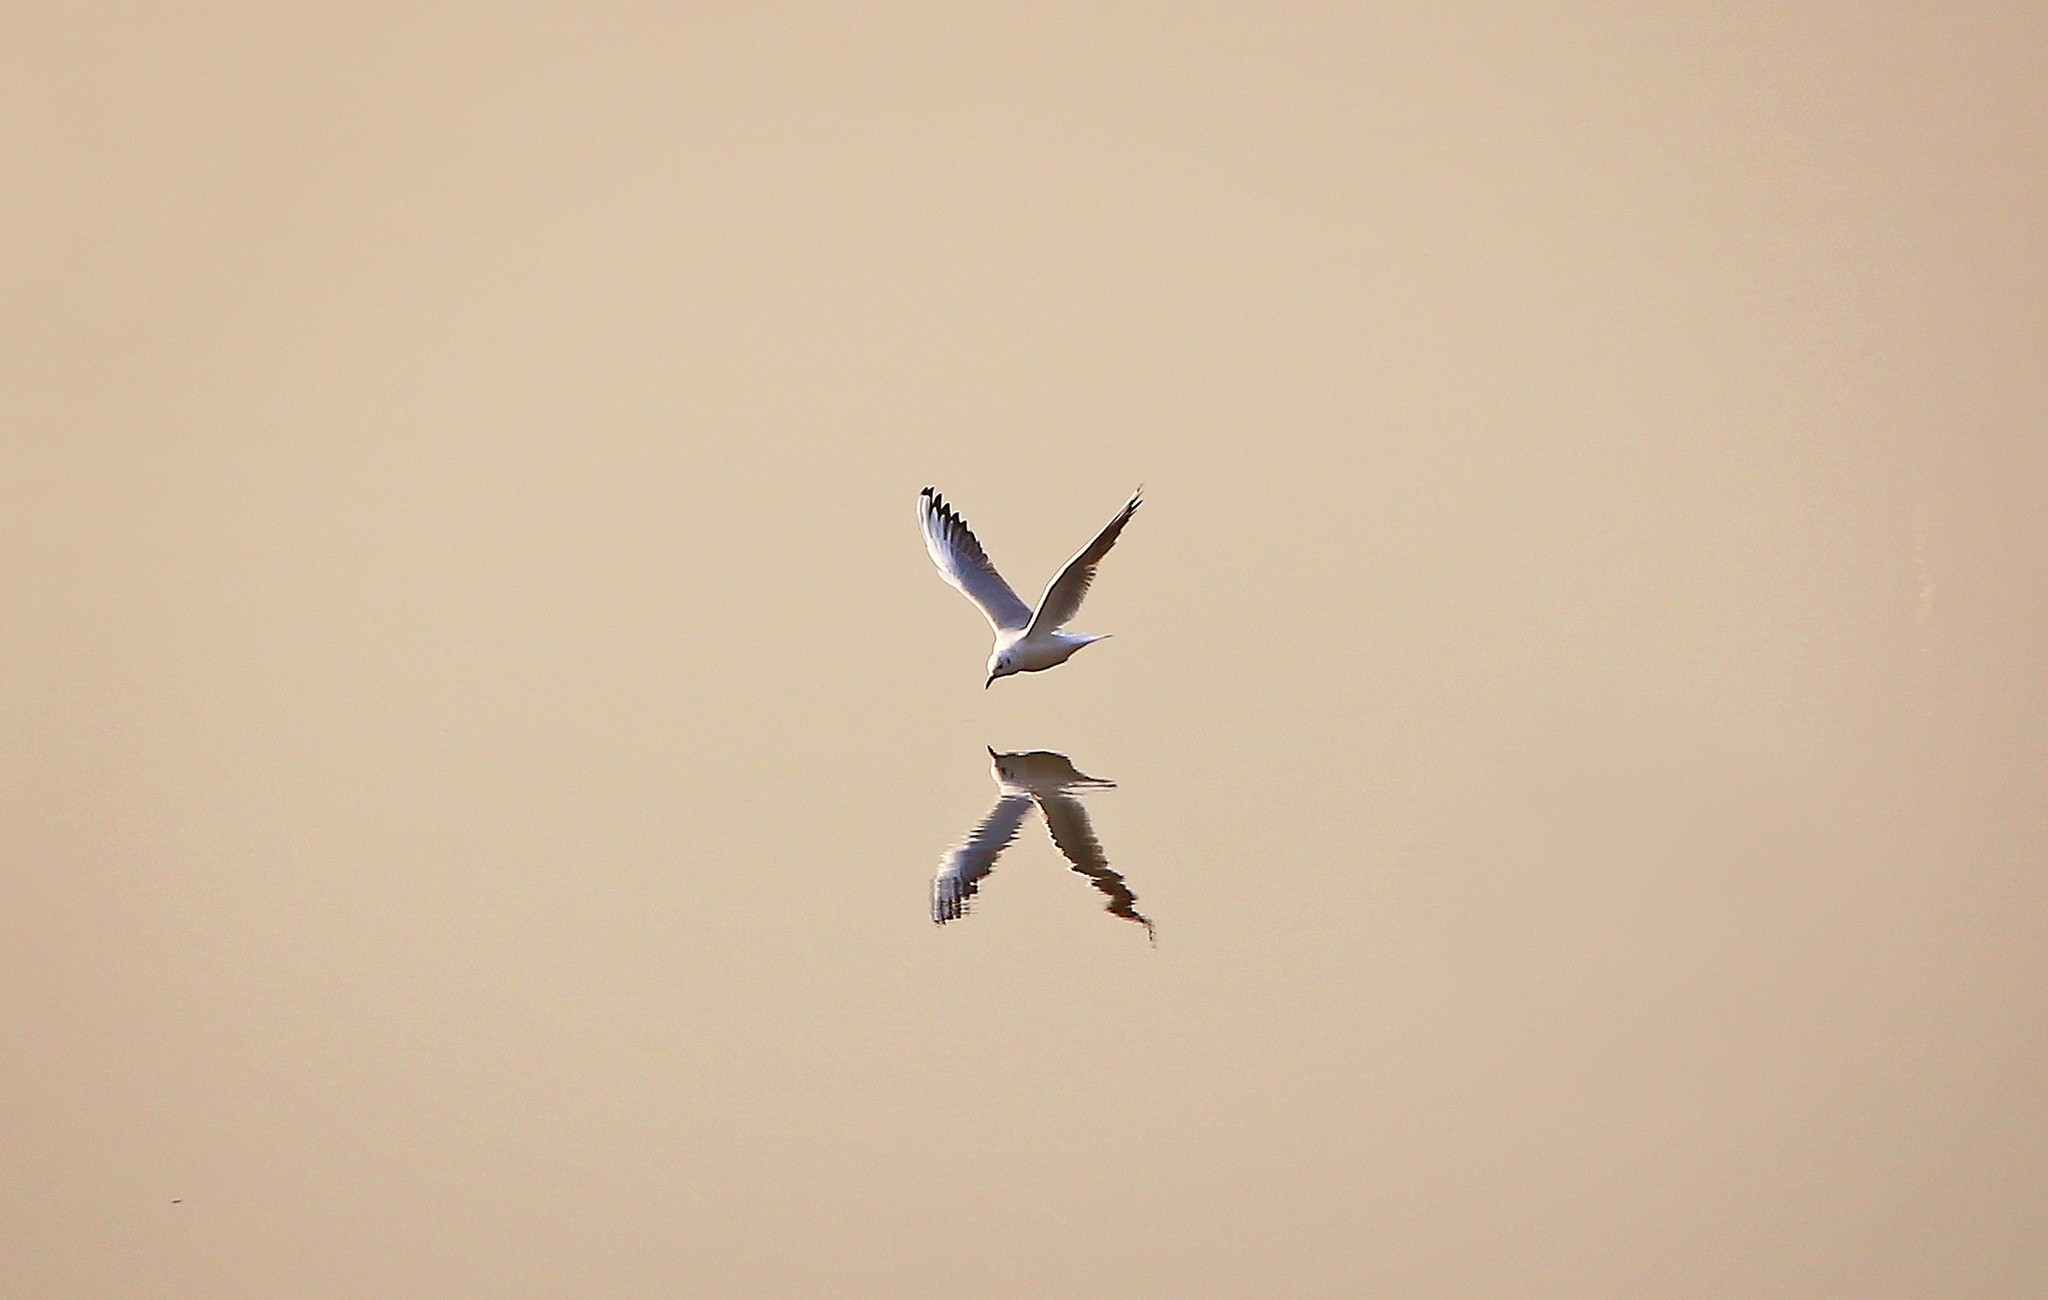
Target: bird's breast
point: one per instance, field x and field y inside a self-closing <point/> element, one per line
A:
<point x="1033" y="653"/>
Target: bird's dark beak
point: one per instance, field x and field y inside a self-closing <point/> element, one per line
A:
<point x="990" y="682"/>
<point x="991" y="750"/>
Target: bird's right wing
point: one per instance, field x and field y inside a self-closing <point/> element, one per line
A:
<point x="1062" y="599"/>
<point x="965" y="565"/>
<point x="960" y="874"/>
<point x="1075" y="836"/>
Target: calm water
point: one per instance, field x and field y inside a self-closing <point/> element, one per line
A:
<point x="482" y="727"/>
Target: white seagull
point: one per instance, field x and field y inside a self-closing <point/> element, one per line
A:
<point x="1048" y="780"/>
<point x="1027" y="641"/>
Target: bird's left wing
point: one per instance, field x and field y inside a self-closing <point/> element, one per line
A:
<point x="1062" y="598"/>
<point x="961" y="873"/>
<point x="960" y="558"/>
<point x="1075" y="836"/>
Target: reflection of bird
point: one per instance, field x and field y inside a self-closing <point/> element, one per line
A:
<point x="1047" y="779"/>
<point x="1026" y="641"/>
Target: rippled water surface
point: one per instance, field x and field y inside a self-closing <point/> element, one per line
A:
<point x="482" y="729"/>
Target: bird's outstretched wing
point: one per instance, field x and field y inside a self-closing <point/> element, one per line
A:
<point x="1075" y="836"/>
<point x="1063" y="597"/>
<point x="965" y="565"/>
<point x="960" y="874"/>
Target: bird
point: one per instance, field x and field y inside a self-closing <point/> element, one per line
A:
<point x="1027" y="640"/>
<point x="1048" y="780"/>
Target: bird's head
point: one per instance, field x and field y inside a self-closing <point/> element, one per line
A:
<point x="999" y="665"/>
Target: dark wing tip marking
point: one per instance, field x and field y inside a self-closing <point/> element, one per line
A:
<point x="952" y="900"/>
<point x="955" y="527"/>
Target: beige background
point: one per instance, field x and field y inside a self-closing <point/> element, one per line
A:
<point x="479" y="721"/>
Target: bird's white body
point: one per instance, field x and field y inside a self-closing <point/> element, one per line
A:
<point x="1022" y="652"/>
<point x="1027" y="640"/>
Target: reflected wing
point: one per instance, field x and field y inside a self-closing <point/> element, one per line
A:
<point x="1075" y="836"/>
<point x="960" y="874"/>
<point x="1063" y="598"/>
<point x="964" y="564"/>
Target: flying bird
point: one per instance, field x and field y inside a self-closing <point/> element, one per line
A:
<point x="1048" y="780"/>
<point x="1027" y="640"/>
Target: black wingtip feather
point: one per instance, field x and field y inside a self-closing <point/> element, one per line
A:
<point x="947" y="514"/>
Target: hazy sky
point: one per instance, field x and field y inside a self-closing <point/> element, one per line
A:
<point x="480" y="723"/>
